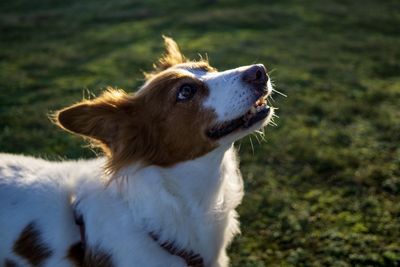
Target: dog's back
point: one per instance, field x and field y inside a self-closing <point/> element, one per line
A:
<point x="36" y="216"/>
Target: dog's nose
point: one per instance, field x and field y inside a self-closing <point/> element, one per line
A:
<point x="255" y="75"/>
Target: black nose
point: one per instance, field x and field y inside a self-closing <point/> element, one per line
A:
<point x="256" y="75"/>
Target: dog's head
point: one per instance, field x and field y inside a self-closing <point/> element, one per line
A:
<point x="184" y="110"/>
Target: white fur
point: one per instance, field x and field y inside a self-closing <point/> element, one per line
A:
<point x="192" y="203"/>
<point x="34" y="190"/>
<point x="230" y="96"/>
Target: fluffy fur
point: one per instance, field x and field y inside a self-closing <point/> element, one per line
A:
<point x="161" y="174"/>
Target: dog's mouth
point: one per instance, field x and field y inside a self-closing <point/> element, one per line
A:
<point x="258" y="112"/>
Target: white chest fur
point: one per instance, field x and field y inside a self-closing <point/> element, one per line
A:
<point x="191" y="203"/>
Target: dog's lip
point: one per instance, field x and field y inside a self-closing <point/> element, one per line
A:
<point x="256" y="113"/>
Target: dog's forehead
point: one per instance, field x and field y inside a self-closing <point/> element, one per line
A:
<point x="211" y="76"/>
<point x="196" y="69"/>
<point x="197" y="73"/>
<point x="200" y="71"/>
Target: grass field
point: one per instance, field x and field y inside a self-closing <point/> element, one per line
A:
<point x="323" y="190"/>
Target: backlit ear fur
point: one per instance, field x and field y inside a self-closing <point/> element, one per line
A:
<point x="171" y="57"/>
<point x="116" y="123"/>
<point x="98" y="119"/>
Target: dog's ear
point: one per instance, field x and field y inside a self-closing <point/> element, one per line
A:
<point x="171" y="57"/>
<point x="98" y="119"/>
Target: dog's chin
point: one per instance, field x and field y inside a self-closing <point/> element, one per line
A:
<point x="234" y="136"/>
<point x="257" y="117"/>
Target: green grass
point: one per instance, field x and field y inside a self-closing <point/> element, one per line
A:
<point x="323" y="190"/>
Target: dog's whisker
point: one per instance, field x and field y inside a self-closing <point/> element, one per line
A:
<point x="261" y="134"/>
<point x="258" y="140"/>
<point x="251" y="143"/>
<point x="271" y="98"/>
<point x="273" y="123"/>
<point x="239" y="146"/>
<point x="263" y="138"/>
<point x="278" y="92"/>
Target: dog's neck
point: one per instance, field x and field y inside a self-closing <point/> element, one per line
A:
<point x="196" y="181"/>
<point x="190" y="204"/>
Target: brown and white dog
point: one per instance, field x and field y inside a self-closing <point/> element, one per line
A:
<point x="165" y="193"/>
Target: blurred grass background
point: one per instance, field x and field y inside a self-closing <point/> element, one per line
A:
<point x="323" y="190"/>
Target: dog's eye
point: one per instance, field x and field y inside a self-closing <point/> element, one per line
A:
<point x="186" y="92"/>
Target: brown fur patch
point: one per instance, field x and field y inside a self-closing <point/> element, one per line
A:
<point x="191" y="258"/>
<point x="171" y="57"/>
<point x="89" y="258"/>
<point x="97" y="258"/>
<point x="151" y="126"/>
<point x="30" y="246"/>
<point x="10" y="263"/>
<point x="97" y="119"/>
<point x="76" y="254"/>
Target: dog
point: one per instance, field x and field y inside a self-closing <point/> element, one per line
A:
<point x="165" y="192"/>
